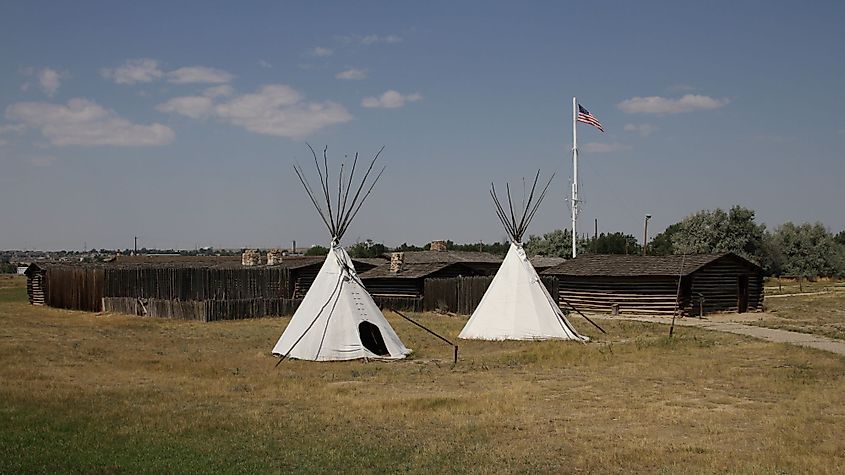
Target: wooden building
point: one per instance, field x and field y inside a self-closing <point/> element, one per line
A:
<point x="183" y="287"/>
<point x="657" y="285"/>
<point x="482" y="263"/>
<point x="409" y="281"/>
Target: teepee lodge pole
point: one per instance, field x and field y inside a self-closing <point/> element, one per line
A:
<point x="397" y="312"/>
<point x="338" y="319"/>
<point x="501" y="314"/>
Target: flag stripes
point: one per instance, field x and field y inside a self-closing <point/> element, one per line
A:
<point x="587" y="118"/>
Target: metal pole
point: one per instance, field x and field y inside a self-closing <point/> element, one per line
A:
<point x="574" y="174"/>
<point x="645" y="235"/>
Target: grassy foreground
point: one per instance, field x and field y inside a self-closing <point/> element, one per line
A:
<point x="85" y="393"/>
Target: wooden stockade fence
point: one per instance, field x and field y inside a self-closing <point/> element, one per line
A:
<point x="202" y="310"/>
<point x="463" y="294"/>
<point x="410" y="304"/>
<point x="74" y="287"/>
<point x="199" y="283"/>
<point x="210" y="293"/>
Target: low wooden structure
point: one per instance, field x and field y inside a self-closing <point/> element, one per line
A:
<point x="463" y="294"/>
<point x="401" y="282"/>
<point x="182" y="287"/>
<point x="659" y="285"/>
<point x="481" y="263"/>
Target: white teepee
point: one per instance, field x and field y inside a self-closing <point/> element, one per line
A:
<point x="517" y="306"/>
<point x="338" y="319"/>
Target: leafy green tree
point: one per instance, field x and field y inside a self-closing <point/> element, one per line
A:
<point x="557" y="243"/>
<point x="7" y="267"/>
<point x="718" y="231"/>
<point x="661" y="245"/>
<point x="840" y="238"/>
<point x="317" y="251"/>
<point x="804" y="251"/>
<point x="615" y="243"/>
<point x="499" y="248"/>
<point x="367" y="248"/>
<point x="407" y="247"/>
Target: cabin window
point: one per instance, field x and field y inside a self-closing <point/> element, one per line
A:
<point x="371" y="338"/>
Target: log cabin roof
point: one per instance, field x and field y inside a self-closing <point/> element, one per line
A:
<point x="617" y="265"/>
<point x="165" y="259"/>
<point x="543" y="262"/>
<point x="426" y="257"/>
<point x="409" y="271"/>
<point x="372" y="261"/>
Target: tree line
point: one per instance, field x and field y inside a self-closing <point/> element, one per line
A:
<point x="806" y="250"/>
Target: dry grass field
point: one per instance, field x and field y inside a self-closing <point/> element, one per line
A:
<point x="86" y="393"/>
<point x="821" y="314"/>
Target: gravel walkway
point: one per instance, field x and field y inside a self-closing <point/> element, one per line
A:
<point x="769" y="334"/>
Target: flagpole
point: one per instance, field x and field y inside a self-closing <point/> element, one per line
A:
<point x="574" y="173"/>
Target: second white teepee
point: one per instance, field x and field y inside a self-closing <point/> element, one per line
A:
<point x="517" y="306"/>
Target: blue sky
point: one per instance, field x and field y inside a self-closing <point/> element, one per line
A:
<point x="179" y="122"/>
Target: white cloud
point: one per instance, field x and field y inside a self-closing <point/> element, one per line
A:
<point x="50" y="80"/>
<point x="264" y="64"/>
<point x="665" y="105"/>
<point x="218" y="91"/>
<point x="198" y="75"/>
<point x="134" y="71"/>
<point x="280" y="110"/>
<point x="643" y="129"/>
<point x="352" y="74"/>
<point x="9" y="128"/>
<point x="322" y="52"/>
<point x="83" y="122"/>
<point x="371" y="39"/>
<point x="146" y="70"/>
<point x="195" y="107"/>
<point x="390" y="100"/>
<point x="599" y="147"/>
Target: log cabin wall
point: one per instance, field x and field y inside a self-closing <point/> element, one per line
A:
<point x="720" y="283"/>
<point x="634" y="295"/>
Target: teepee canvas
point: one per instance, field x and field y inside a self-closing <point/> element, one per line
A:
<point x="338" y="319"/>
<point x="517" y="306"/>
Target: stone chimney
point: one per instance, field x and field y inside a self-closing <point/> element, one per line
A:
<point x="274" y="257"/>
<point x="251" y="257"/>
<point x="438" y="245"/>
<point x="397" y="260"/>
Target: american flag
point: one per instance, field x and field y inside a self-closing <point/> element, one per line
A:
<point x="587" y="118"/>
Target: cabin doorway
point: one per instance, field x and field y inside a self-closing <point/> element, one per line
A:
<point x="742" y="294"/>
<point x="371" y="338"/>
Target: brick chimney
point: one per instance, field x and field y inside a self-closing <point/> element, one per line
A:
<point x="438" y="245"/>
<point x="397" y="260"/>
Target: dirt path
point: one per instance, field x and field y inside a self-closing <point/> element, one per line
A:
<point x="769" y="334"/>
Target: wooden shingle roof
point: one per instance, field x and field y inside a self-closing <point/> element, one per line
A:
<point x="617" y="265"/>
<point x="423" y="257"/>
<point x="409" y="271"/>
